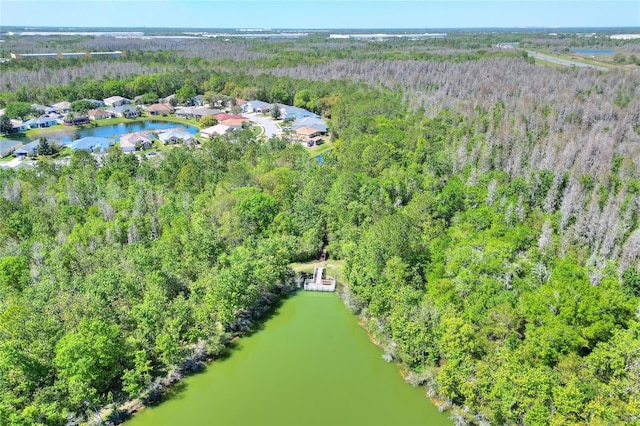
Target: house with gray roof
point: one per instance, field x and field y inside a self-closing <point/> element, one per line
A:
<point x="257" y="106"/>
<point x="7" y="146"/>
<point x="312" y="122"/>
<point x="29" y="149"/>
<point x="96" y="103"/>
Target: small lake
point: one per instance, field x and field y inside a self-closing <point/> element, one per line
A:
<point x="594" y="51"/>
<point x="111" y="131"/>
<point x="312" y="364"/>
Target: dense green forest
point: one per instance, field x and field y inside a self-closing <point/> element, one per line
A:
<point x="486" y="209"/>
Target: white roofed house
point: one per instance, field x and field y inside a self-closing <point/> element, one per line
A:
<point x="116" y="101"/>
<point x="19" y="126"/>
<point x="217" y="130"/>
<point x="177" y="136"/>
<point x="126" y="111"/>
<point x="134" y="141"/>
<point x="41" y="122"/>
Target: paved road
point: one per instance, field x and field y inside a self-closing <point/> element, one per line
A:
<point x="270" y="128"/>
<point x="565" y="62"/>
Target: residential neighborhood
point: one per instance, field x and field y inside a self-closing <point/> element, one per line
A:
<point x="297" y="125"/>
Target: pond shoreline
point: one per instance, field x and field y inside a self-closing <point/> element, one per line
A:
<point x="157" y="391"/>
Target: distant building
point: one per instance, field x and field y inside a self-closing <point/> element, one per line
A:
<point x="41" y="122"/>
<point x="114" y="54"/>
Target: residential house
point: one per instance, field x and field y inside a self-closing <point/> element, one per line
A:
<point x="73" y="121"/>
<point x="96" y="103"/>
<point x="42" y="122"/>
<point x="160" y="109"/>
<point x="99" y="114"/>
<point x="62" y="107"/>
<point x="288" y="112"/>
<point x="313" y="122"/>
<point x="126" y="111"/>
<point x="240" y="102"/>
<point x="234" y="123"/>
<point x="309" y="136"/>
<point x="224" y="116"/>
<point x="177" y="136"/>
<point x="19" y="126"/>
<point x="133" y="141"/>
<point x="116" y="101"/>
<point x="217" y="130"/>
<point x="169" y="100"/>
<point x="7" y="146"/>
<point x="92" y="144"/>
<point x="197" y="100"/>
<point x="39" y="109"/>
<point x="196" y="112"/>
<point x="257" y="106"/>
<point x="29" y="149"/>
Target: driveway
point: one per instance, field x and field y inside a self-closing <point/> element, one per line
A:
<point x="565" y="62"/>
<point x="270" y="128"/>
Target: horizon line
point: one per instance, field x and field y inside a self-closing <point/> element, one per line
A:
<point x="543" y="27"/>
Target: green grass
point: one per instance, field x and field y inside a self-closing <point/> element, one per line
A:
<point x="315" y="151"/>
<point x="334" y="268"/>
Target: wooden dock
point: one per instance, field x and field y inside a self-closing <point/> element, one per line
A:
<point x="317" y="283"/>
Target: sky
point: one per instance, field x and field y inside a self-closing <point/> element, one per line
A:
<point x="320" y="13"/>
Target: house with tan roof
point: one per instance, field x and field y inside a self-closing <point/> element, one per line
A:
<point x="98" y="114"/>
<point x="235" y="123"/>
<point x="160" y="109"/>
<point x="62" y="107"/>
<point x="134" y="141"/>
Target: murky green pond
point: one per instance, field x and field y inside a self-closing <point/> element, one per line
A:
<point x="312" y="364"/>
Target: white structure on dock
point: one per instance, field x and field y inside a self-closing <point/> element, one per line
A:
<point x="317" y="283"/>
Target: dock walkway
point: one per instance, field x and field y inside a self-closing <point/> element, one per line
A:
<point x="317" y="283"/>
